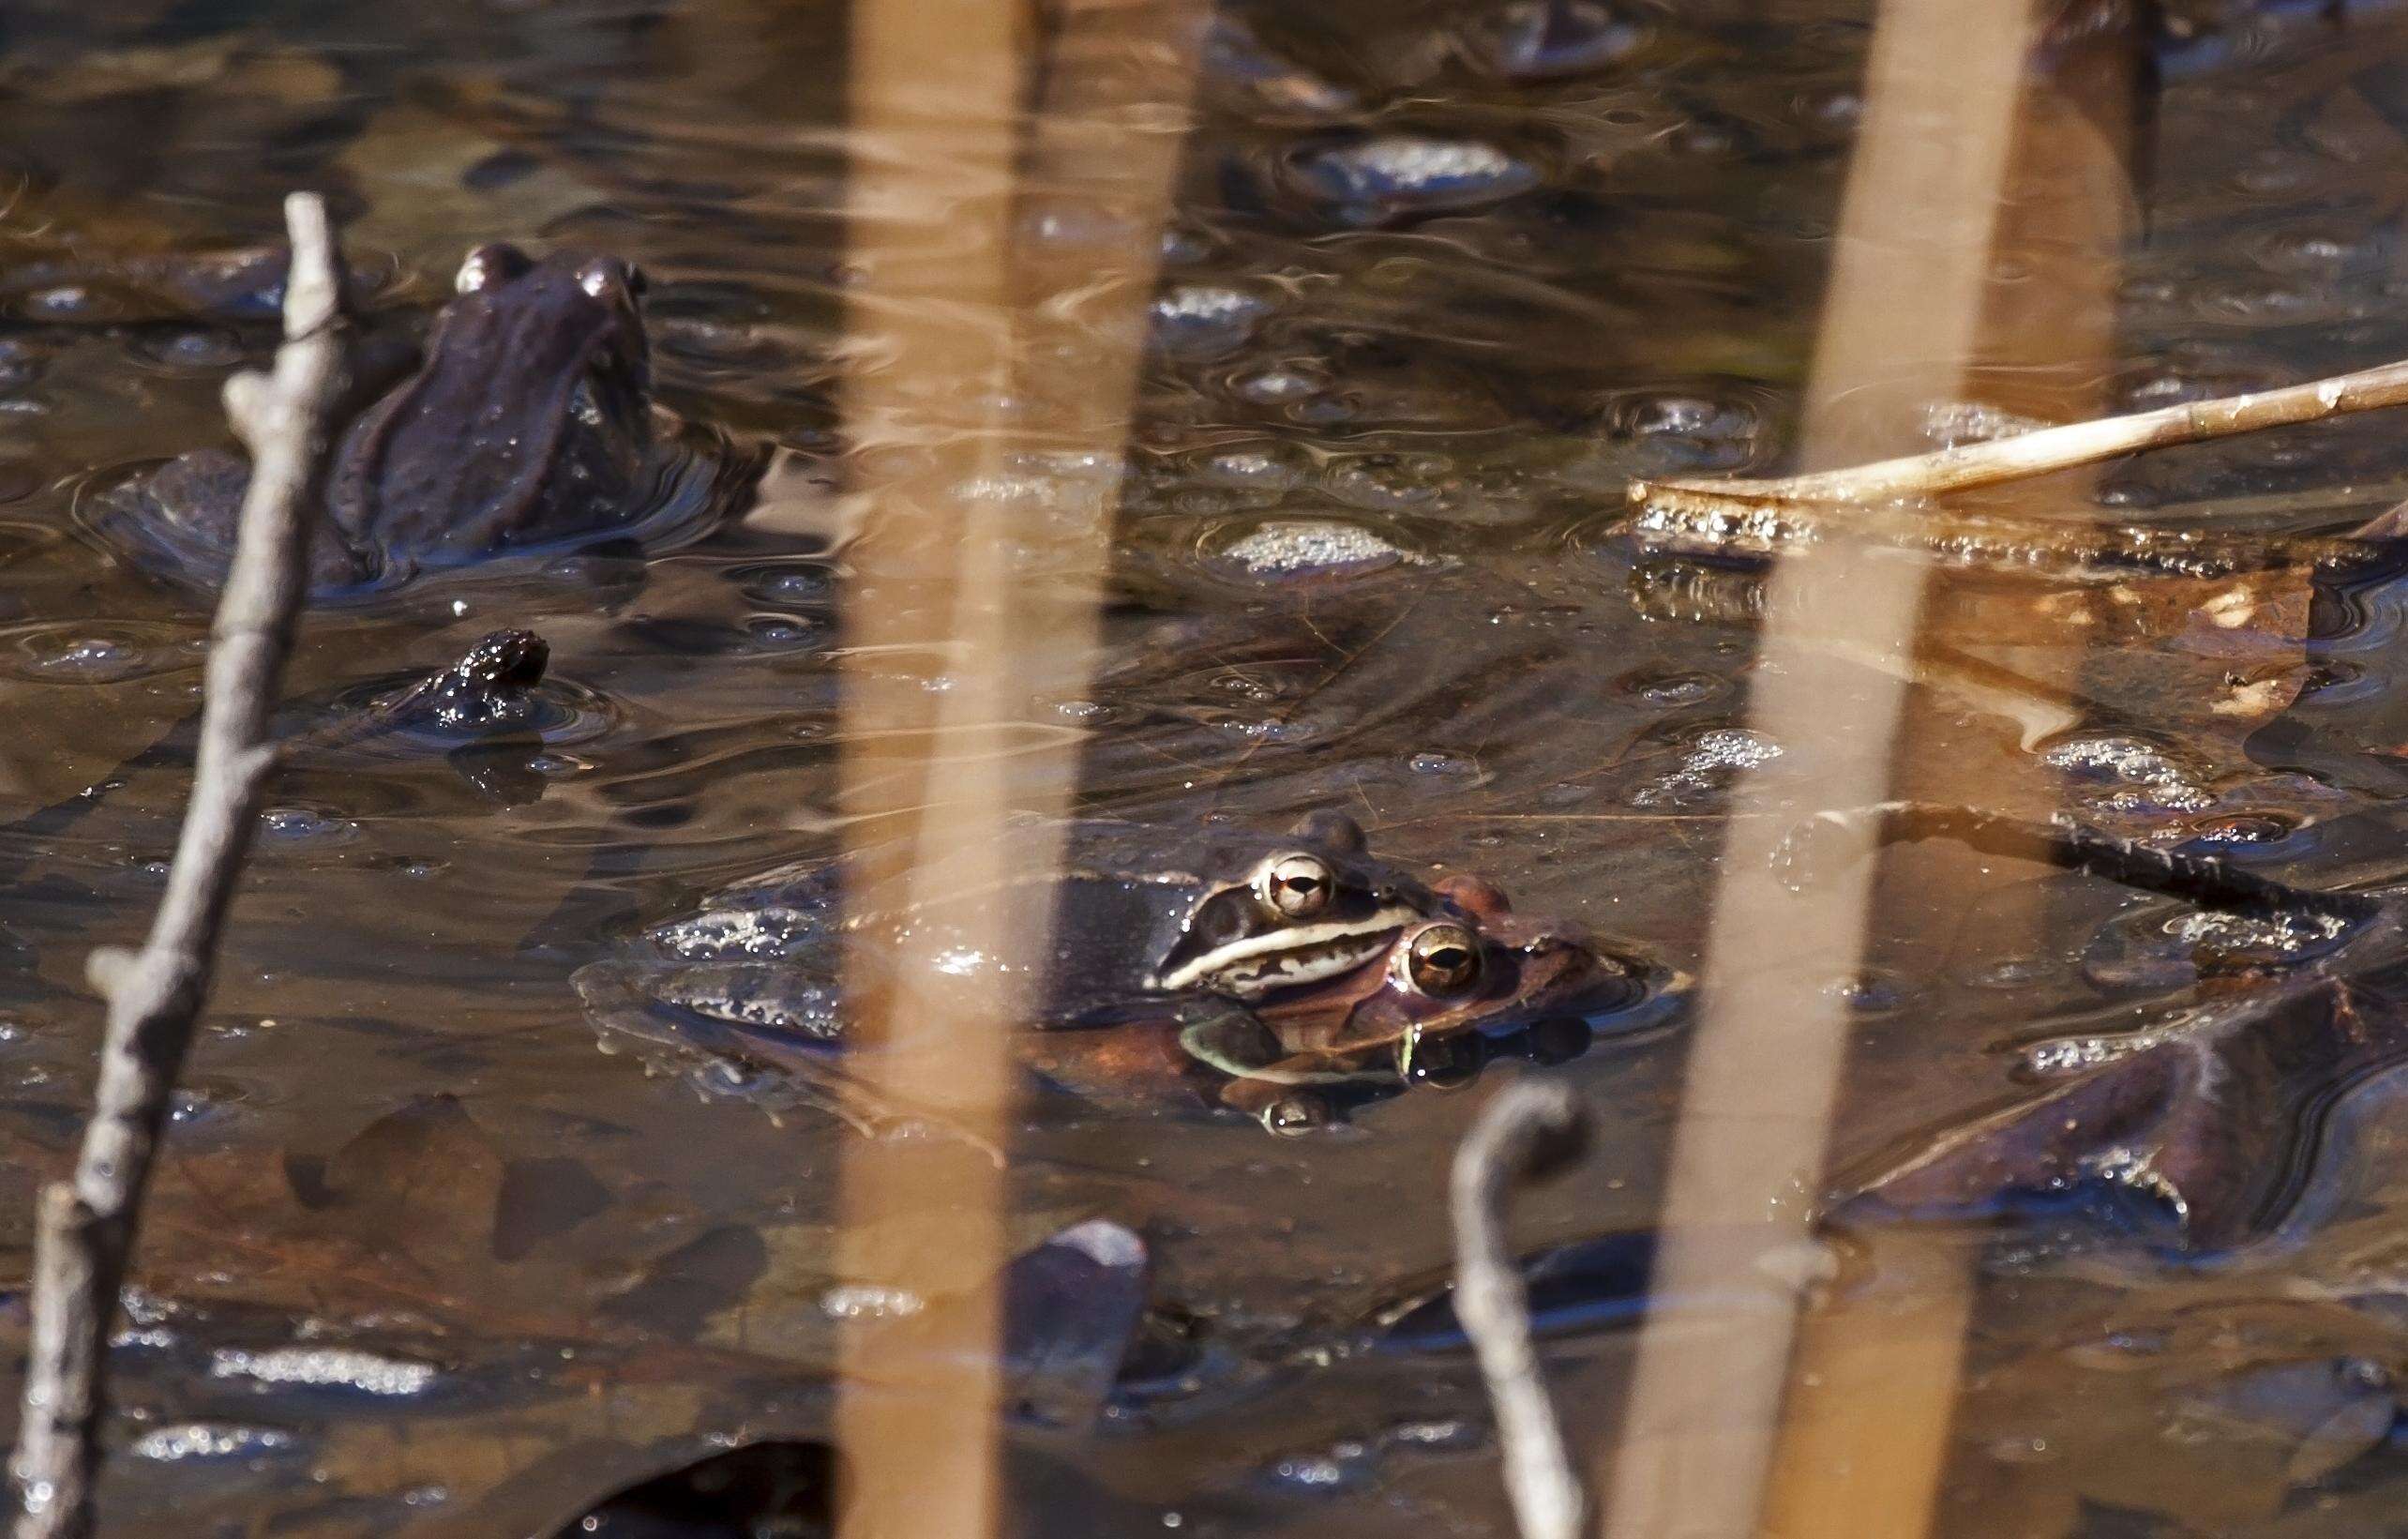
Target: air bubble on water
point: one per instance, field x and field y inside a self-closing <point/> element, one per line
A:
<point x="1205" y="318"/>
<point x="1670" y="690"/>
<point x="2285" y="930"/>
<point x="67" y="652"/>
<point x="325" y="1367"/>
<point x="1950" y="423"/>
<point x="1451" y="1435"/>
<point x="783" y="633"/>
<point x="303" y="825"/>
<point x="1309" y="1473"/>
<point x="1279" y="383"/>
<point x="1074" y="224"/>
<point x="183" y="1441"/>
<point x="1311" y="547"/>
<point x="2021" y="1449"/>
<point x="2244" y="828"/>
<point x="1391" y="484"/>
<point x="1664" y="431"/>
<point x="68" y="301"/>
<point x="715" y="934"/>
<point x="1073" y="488"/>
<point x="1249" y="468"/>
<point x="870" y="1301"/>
<point x="2304" y="251"/>
<point x="1408" y="172"/>
<point x="791" y="585"/>
<point x="1715" y="757"/>
<point x="1868" y="993"/>
<point x="2130" y="765"/>
<point x="1733" y="748"/>
<point x="192" y="1104"/>
<point x="1273" y="733"/>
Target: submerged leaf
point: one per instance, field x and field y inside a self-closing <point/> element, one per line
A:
<point x="424" y="1181"/>
<point x="2197" y="1132"/>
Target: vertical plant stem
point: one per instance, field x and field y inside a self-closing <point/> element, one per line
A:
<point x="156" y="994"/>
<point x="992" y="369"/>
<point x="1912" y="259"/>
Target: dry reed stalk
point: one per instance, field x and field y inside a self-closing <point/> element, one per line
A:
<point x="1865" y="1431"/>
<point x="1901" y="320"/>
<point x="935" y="88"/>
<point x="956" y="322"/>
<point x="155" y="995"/>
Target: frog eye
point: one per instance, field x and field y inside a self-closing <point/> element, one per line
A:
<point x="488" y="264"/>
<point x="1296" y="886"/>
<point x="1439" y="958"/>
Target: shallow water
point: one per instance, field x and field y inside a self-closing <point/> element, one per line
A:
<point x="423" y="1261"/>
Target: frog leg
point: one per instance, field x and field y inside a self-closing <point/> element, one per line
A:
<point x="779" y="1070"/>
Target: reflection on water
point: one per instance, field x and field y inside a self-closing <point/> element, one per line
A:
<point x="1437" y="281"/>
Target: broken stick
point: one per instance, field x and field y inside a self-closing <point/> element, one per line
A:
<point x="155" y="995"/>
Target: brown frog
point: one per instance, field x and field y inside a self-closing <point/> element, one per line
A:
<point x="1287" y="975"/>
<point x="528" y="425"/>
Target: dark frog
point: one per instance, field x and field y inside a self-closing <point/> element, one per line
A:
<point x="528" y="425"/>
<point x="1286" y="975"/>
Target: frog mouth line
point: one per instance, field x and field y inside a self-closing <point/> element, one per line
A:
<point x="1283" y="959"/>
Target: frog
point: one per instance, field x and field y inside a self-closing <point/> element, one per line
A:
<point x="482" y="714"/>
<point x="528" y="425"/>
<point x="1289" y="976"/>
<point x="489" y="691"/>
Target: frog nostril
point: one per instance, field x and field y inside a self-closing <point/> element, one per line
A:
<point x="604" y="277"/>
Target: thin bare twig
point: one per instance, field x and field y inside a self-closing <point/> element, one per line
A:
<point x="2040" y="452"/>
<point x="1533" y="1128"/>
<point x="155" y="995"/>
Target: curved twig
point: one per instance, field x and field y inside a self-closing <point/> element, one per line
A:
<point x="155" y="995"/>
<point x="2207" y="880"/>
<point x="1533" y="1128"/>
